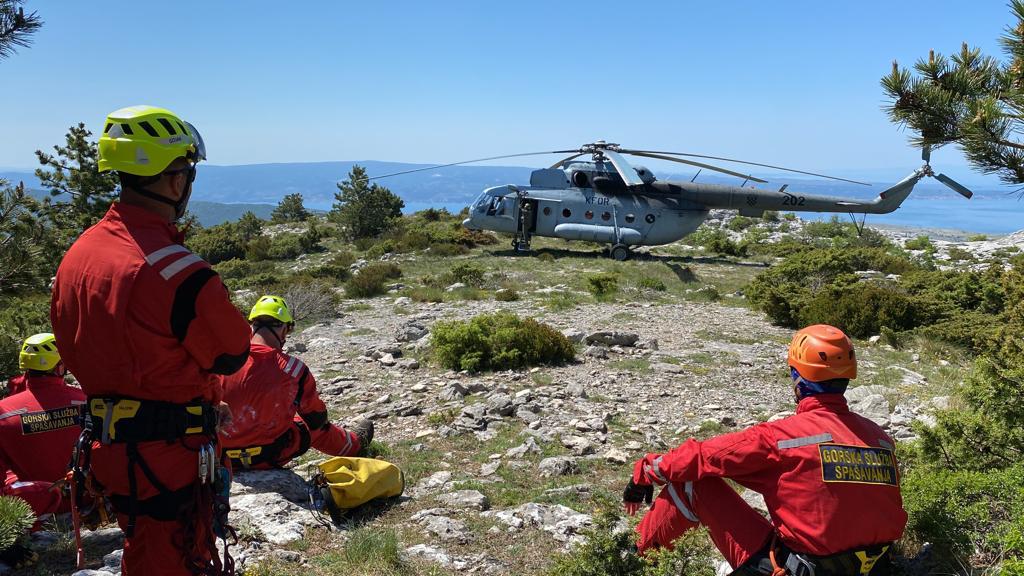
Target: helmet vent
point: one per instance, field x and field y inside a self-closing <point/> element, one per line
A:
<point x="107" y="127"/>
<point x="127" y="129"/>
<point x="183" y="131"/>
<point x="823" y="356"/>
<point x="149" y="129"/>
<point x="167" y="126"/>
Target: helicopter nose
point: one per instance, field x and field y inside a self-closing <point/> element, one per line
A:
<point x="468" y="223"/>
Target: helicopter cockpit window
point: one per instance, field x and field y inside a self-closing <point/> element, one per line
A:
<point x="580" y="180"/>
<point x="496" y="207"/>
<point x="630" y="218"/>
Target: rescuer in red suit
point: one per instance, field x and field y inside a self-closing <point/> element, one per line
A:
<point x="277" y="412"/>
<point x="828" y="476"/>
<point x="38" y="428"/>
<point x="146" y="326"/>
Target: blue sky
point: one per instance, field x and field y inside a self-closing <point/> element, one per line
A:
<point x="792" y="83"/>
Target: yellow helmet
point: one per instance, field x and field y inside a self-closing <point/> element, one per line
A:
<point x="144" y="140"/>
<point x="273" y="306"/>
<point x="39" y="352"/>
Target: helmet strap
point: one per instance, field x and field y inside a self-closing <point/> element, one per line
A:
<point x="805" y="387"/>
<point x="142" y="188"/>
<point x="257" y="326"/>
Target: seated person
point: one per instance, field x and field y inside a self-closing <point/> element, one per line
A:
<point x="39" y="427"/>
<point x="276" y="411"/>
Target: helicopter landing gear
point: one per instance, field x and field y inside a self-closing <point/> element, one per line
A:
<point x="619" y="252"/>
<point x="521" y="244"/>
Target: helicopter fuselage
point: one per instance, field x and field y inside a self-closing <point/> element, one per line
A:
<point x="587" y="201"/>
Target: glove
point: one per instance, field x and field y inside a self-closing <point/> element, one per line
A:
<point x="644" y="471"/>
<point x="634" y="495"/>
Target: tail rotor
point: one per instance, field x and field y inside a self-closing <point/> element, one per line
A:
<point x="926" y="155"/>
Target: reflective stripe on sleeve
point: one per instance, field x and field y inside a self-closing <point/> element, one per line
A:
<point x="657" y="470"/>
<point x="297" y="369"/>
<point x="289" y="365"/>
<point x="805" y="441"/>
<point x="178" y="265"/>
<point x="16" y="412"/>
<point x="158" y="255"/>
<point x="679" y="501"/>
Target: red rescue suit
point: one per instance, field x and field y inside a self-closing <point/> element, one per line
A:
<point x="828" y="477"/>
<point x="17" y="384"/>
<point x="38" y="429"/>
<point x="137" y="315"/>
<point x="277" y="413"/>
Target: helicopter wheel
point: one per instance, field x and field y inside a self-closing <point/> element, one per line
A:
<point x="619" y="252"/>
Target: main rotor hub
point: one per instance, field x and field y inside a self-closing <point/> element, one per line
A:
<point x="596" y="149"/>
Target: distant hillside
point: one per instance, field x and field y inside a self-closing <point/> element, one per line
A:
<point x="211" y="213"/>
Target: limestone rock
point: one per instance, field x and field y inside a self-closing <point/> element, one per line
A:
<point x="558" y="466"/>
<point x="277" y="519"/>
<point x="284" y="482"/>
<point x="465" y="499"/>
<point x="612" y="338"/>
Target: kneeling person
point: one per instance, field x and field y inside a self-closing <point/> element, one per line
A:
<point x="39" y="427"/>
<point x="277" y="412"/>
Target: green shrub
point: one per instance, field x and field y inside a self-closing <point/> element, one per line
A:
<point x="217" y="243"/>
<point x="718" y="242"/>
<point x="448" y="250"/>
<point x="16" y="517"/>
<point x="770" y="216"/>
<point x="309" y="241"/>
<point x="967" y="514"/>
<point x="608" y="550"/>
<point x="861" y="309"/>
<point x="977" y="238"/>
<point x="650" y="283"/>
<point x="236" y="268"/>
<point x="740" y="223"/>
<point x="20" y="317"/>
<point x="426" y="294"/>
<point x="603" y="286"/>
<point x="498" y="341"/>
<point x="258" y="249"/>
<point x="546" y="257"/>
<point x="506" y="295"/>
<point x="370" y="280"/>
<point x="466" y="273"/>
<point x="285" y="246"/>
<point x="920" y="243"/>
<point x="338" y="267"/>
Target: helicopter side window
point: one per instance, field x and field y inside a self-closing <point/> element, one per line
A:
<point x="630" y="218"/>
<point x="606" y="216"/>
<point x="649" y="218"/>
<point x="566" y="213"/>
<point x="547" y="210"/>
<point x="588" y="215"/>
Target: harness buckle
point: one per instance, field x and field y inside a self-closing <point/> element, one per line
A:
<point x="798" y="565"/>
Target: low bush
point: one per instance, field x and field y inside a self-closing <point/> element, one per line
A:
<point x="740" y="223"/>
<point x="448" y="250"/>
<point x="861" y="309"/>
<point x="217" y="243"/>
<point x="609" y="550"/>
<point x="650" y="283"/>
<point x="920" y="243"/>
<point x="311" y="300"/>
<point x="426" y="294"/>
<point x="506" y="295"/>
<point x="285" y="246"/>
<point x="338" y="267"/>
<point x="466" y="273"/>
<point x="499" y="341"/>
<point x="603" y="286"/>
<point x="370" y="280"/>
<point x="258" y="249"/>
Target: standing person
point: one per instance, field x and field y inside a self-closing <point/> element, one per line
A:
<point x="278" y="413"/>
<point x="146" y="326"/>
<point x="828" y="476"/>
<point x="38" y="428"/>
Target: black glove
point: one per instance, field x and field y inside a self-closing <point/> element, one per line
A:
<point x="637" y="494"/>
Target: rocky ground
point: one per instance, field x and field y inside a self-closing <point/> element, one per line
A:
<point x="505" y="470"/>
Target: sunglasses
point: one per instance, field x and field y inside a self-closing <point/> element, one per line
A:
<point x="191" y="172"/>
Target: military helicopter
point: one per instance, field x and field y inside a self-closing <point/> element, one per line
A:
<point x="606" y="200"/>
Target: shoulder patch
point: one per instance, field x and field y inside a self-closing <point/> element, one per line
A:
<point x="858" y="464"/>
<point x="50" y="420"/>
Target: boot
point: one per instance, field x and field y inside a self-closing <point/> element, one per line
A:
<point x="363" y="430"/>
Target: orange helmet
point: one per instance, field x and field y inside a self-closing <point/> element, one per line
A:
<point x="822" y="352"/>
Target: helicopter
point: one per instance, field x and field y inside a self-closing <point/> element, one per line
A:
<point x="607" y="200"/>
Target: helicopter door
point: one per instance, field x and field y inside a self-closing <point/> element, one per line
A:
<point x="528" y="215"/>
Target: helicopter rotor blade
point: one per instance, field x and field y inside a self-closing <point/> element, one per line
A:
<point x="698" y="164"/>
<point x="955" y="186"/>
<point x="564" y="160"/>
<point x="628" y="173"/>
<point x="471" y="162"/>
<point x="745" y="162"/>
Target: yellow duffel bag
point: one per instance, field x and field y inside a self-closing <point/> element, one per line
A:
<point x="352" y="482"/>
